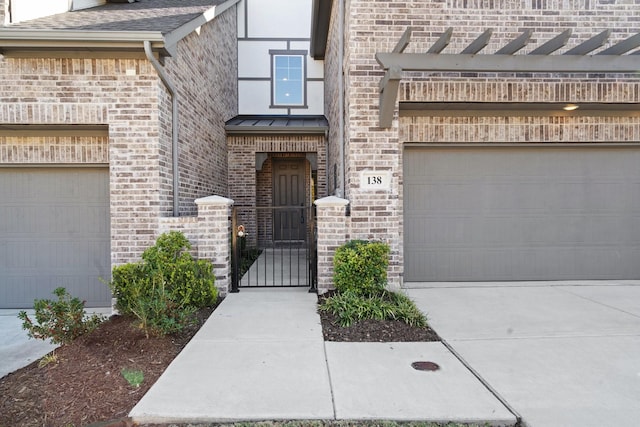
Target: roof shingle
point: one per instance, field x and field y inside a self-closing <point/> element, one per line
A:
<point x="162" y="16"/>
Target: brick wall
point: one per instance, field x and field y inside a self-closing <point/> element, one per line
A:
<point x="333" y="74"/>
<point x="205" y="70"/>
<point x="128" y="97"/>
<point x="4" y="12"/>
<point x="250" y="188"/>
<point x="59" y="91"/>
<point x="377" y="26"/>
<point x="242" y="162"/>
<point x="54" y="149"/>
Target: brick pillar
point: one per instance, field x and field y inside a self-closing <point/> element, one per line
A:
<point x="214" y="242"/>
<point x="333" y="231"/>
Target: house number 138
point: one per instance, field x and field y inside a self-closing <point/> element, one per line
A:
<point x="374" y="180"/>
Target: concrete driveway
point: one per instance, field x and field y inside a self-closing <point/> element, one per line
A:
<point x="17" y="350"/>
<point x="560" y="353"/>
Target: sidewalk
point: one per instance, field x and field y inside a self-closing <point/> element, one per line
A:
<point x="261" y="356"/>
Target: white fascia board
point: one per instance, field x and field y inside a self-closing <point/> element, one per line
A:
<point x="173" y="37"/>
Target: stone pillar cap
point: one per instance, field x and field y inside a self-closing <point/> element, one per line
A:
<point x="331" y="201"/>
<point x="214" y="201"/>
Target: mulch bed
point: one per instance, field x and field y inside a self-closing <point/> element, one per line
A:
<point x="374" y="331"/>
<point x="85" y="386"/>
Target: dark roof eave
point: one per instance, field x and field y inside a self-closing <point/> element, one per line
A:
<point x="269" y="130"/>
<point x="19" y="40"/>
<point x="320" y="20"/>
<point x="277" y="125"/>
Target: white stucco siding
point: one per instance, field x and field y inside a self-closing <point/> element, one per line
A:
<point x="276" y="27"/>
<point x="315" y="98"/>
<point x="24" y="10"/>
<point x="278" y="18"/>
<point x="254" y="60"/>
<point x="255" y="97"/>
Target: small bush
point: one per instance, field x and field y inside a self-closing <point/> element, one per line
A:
<point x="361" y="267"/>
<point x="61" y="321"/>
<point x="166" y="288"/>
<point x="133" y="376"/>
<point x="190" y="282"/>
<point x="350" y="308"/>
<point x="360" y="278"/>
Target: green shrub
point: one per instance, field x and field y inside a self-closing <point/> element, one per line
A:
<point x="61" y="321"/>
<point x="361" y="267"/>
<point x="166" y="288"/>
<point x="351" y="307"/>
<point x="360" y="278"/>
<point x="189" y="281"/>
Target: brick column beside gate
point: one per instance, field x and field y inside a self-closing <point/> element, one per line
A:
<point x="333" y="230"/>
<point x="214" y="243"/>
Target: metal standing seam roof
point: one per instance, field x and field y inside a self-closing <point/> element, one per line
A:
<point x="301" y="125"/>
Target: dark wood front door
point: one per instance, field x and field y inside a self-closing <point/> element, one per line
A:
<point x="289" y="199"/>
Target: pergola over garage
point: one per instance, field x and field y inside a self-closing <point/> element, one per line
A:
<point x="483" y="210"/>
<point x="539" y="60"/>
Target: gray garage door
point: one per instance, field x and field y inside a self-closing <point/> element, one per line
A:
<point x="54" y="231"/>
<point x="511" y="213"/>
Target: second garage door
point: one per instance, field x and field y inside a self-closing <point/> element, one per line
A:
<point x="54" y="232"/>
<point x="516" y="213"/>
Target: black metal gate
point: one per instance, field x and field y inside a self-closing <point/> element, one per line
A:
<point x="273" y="247"/>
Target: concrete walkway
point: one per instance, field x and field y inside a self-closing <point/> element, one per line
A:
<point x="261" y="356"/>
<point x="562" y="354"/>
<point x="278" y="267"/>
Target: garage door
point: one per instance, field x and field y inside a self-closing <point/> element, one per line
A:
<point x="54" y="231"/>
<point x="511" y="213"/>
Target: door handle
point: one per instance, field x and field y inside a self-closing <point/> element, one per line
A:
<point x="301" y="214"/>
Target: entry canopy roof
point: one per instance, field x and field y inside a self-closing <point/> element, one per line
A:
<point x="613" y="59"/>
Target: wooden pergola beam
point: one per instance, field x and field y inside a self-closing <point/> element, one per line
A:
<point x="442" y="42"/>
<point x="590" y="45"/>
<point x="478" y="44"/>
<point x="539" y="60"/>
<point x="510" y="63"/>
<point x="623" y="47"/>
<point x="516" y="45"/>
<point x="552" y="45"/>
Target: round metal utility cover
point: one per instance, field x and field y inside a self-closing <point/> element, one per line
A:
<point x="425" y="366"/>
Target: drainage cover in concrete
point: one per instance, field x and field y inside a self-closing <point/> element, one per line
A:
<point x="425" y="366"/>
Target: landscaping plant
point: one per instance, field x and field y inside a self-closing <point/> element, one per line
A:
<point x="361" y="267"/>
<point x="360" y="278"/>
<point x="133" y="376"/>
<point x="165" y="289"/>
<point x="61" y="321"/>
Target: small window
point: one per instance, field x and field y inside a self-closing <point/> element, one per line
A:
<point x="288" y="79"/>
